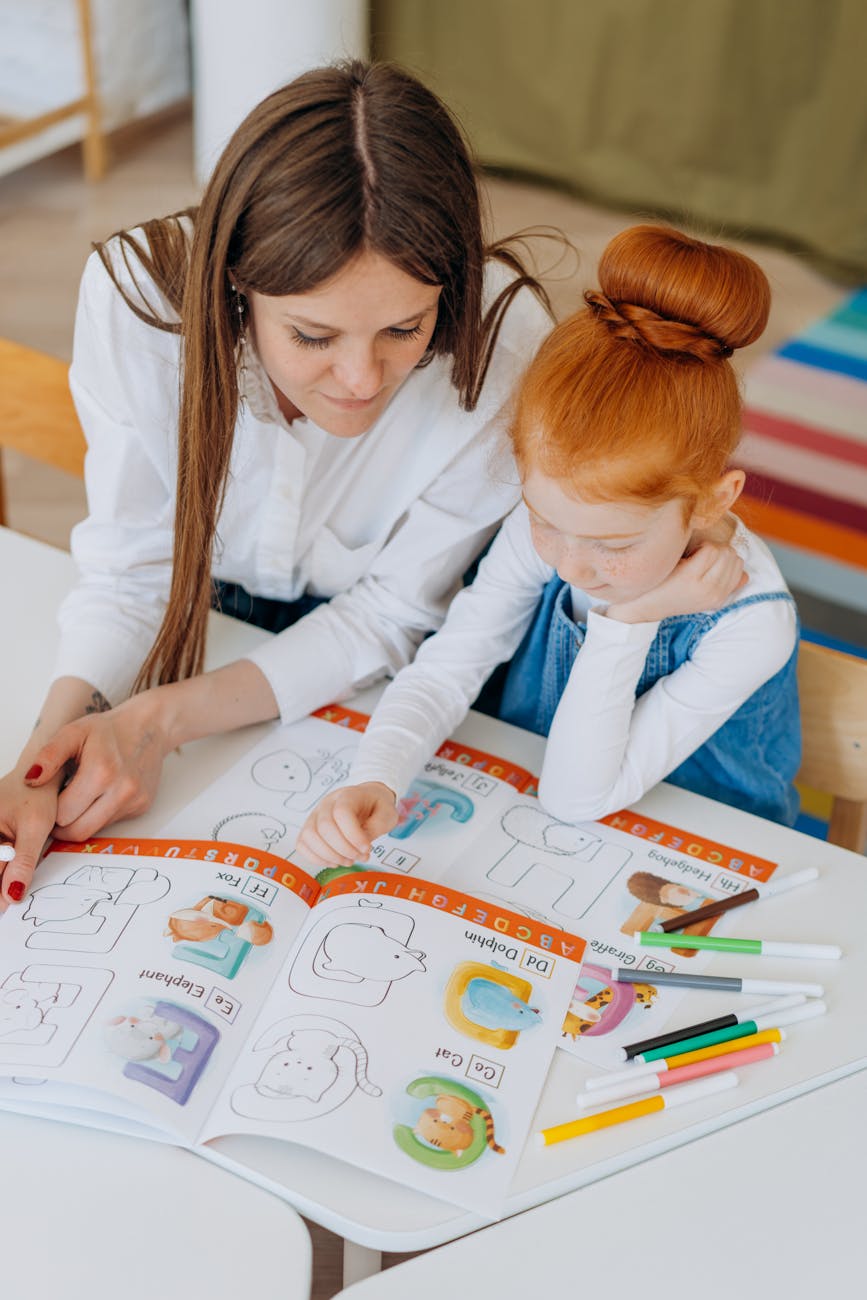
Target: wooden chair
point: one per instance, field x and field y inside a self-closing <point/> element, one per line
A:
<point x="37" y="416"/>
<point x="833" y="690"/>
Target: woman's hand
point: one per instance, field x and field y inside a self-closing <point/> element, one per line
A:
<point x="702" y="581"/>
<point x="342" y="827"/>
<point x="116" y="758"/>
<point x="27" y="817"/>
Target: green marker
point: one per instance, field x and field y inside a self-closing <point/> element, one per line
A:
<point x="753" y="947"/>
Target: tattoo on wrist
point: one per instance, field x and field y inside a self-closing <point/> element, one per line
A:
<point x="98" y="703"/>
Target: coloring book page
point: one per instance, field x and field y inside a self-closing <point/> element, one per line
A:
<point x="411" y="1035"/>
<point x="471" y="819"/>
<point x="138" y="974"/>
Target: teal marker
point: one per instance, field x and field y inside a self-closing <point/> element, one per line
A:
<point x="705" y="1040"/>
<point x="752" y="947"/>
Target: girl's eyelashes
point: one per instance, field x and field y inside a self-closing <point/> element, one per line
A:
<point x="323" y="340"/>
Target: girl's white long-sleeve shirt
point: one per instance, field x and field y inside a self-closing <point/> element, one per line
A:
<point x="605" y="748"/>
<point x="385" y="523"/>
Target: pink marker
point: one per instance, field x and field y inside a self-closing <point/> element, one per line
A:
<point x="649" y="1083"/>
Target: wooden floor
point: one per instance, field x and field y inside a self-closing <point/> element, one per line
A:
<point x="49" y="215"/>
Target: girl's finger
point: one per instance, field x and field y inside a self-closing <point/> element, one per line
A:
<point x="316" y="850"/>
<point x="352" y="829"/>
<point x="329" y="831"/>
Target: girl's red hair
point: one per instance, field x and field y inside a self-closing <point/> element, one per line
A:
<point x="634" y="396"/>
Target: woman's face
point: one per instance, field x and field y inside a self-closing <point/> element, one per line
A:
<point x="339" y="353"/>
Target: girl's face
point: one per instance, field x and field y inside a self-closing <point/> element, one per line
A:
<point x="615" y="551"/>
<point x="339" y="353"/>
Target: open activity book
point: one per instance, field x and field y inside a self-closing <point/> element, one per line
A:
<point x="400" y="1015"/>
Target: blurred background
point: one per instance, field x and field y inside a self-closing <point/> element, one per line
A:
<point x="744" y="120"/>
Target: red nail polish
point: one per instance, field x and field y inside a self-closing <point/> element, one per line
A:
<point x="16" y="891"/>
<point x="33" y="772"/>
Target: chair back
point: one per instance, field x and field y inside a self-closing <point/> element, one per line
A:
<point x="833" y="692"/>
<point x="37" y="415"/>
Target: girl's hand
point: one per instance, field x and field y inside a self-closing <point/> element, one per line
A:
<point x="702" y="581"/>
<point x="27" y="817"/>
<point x="117" y="759"/>
<point x="343" y="825"/>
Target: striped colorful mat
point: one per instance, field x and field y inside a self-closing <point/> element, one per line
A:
<point x="805" y="452"/>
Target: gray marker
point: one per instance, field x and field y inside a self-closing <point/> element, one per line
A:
<point x="723" y="983"/>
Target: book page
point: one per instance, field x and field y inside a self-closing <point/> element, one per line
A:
<point x="410" y="1033"/>
<point x="133" y="972"/>
<point x="472" y="819"/>
<point x="266" y="797"/>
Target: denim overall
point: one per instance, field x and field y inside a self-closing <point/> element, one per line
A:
<point x="749" y="762"/>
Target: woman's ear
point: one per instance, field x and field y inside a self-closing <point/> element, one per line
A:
<point x="719" y="499"/>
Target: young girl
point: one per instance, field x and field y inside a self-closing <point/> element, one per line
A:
<point x="655" y="635"/>
<point x="289" y="394"/>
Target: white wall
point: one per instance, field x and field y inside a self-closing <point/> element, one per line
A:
<point x="237" y="62"/>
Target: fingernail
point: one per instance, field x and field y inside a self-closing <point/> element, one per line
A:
<point x="16" y="891"/>
<point x="33" y="772"/>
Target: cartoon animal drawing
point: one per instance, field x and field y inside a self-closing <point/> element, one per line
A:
<point x="304" y="783"/>
<point x="142" y="1038"/>
<point x="600" y="1003"/>
<point x="89" y="910"/>
<point x="354" y="954"/>
<point x="22" y="1013"/>
<point x="451" y="1133"/>
<point x="318" y="1064"/>
<point x="164" y="1046"/>
<point x="423" y="801"/>
<point x="43" y="1010"/>
<point x="258" y="830"/>
<point x="211" y="915"/>
<point x="561" y="868"/>
<point x="357" y="951"/>
<point x="446" y="1125"/>
<point x="660" y="899"/>
<point x="306" y="1066"/>
<point x="491" y="1004"/>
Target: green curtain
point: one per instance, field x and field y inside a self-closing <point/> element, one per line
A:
<point x="745" y="117"/>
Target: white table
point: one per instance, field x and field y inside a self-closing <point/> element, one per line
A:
<point x="769" y="1207"/>
<point x="93" y="1216"/>
<point x="380" y="1215"/>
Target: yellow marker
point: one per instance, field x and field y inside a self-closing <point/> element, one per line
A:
<point x="635" y="1109"/>
<point x="723" y="1049"/>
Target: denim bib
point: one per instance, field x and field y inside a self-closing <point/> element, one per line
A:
<point x="749" y="762"/>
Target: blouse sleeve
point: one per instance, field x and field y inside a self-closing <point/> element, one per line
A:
<point x="605" y="748"/>
<point x="124" y="378"/>
<point x="429" y="698"/>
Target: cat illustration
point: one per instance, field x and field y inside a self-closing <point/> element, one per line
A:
<point x="447" y="1127"/>
<point x="306" y="1067"/>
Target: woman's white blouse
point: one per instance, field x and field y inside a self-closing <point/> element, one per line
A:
<point x="385" y="523"/>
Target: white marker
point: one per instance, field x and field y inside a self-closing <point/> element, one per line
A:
<point x="774" y="887"/>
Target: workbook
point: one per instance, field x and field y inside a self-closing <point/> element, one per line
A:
<point x="472" y="820"/>
<point x="400" y="1014"/>
<point x="187" y="990"/>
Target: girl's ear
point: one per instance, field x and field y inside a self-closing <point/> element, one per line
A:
<point x="719" y="499"/>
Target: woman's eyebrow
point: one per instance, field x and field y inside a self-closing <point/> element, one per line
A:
<point x="318" y="325"/>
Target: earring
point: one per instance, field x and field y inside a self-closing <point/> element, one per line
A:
<point x="241" y="349"/>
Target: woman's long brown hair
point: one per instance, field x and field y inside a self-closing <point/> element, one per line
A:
<point x="344" y="159"/>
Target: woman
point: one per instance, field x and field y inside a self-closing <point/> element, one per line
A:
<point x="318" y="463"/>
